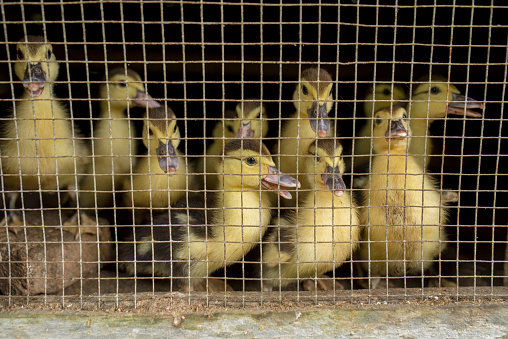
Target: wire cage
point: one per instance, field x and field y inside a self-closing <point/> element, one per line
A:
<point x="383" y="123"/>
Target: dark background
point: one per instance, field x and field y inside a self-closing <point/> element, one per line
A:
<point x="202" y="58"/>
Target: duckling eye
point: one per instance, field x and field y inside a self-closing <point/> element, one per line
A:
<point x="318" y="159"/>
<point x="122" y="84"/>
<point x="230" y="129"/>
<point x="404" y="116"/>
<point x="150" y="132"/>
<point x="250" y="161"/>
<point x="378" y="121"/>
<point x="305" y="90"/>
<point x="386" y="92"/>
<point x="258" y="116"/>
<point x="20" y="55"/>
<point x="435" y="90"/>
<point x="48" y="54"/>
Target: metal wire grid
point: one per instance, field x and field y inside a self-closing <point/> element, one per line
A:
<point x="209" y="56"/>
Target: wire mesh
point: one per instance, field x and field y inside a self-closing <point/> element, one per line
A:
<point x="395" y="136"/>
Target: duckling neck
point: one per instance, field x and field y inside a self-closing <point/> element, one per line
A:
<point x="321" y="197"/>
<point x="44" y="107"/>
<point x="237" y="208"/>
<point x="397" y="162"/>
<point x="420" y="127"/>
<point x="108" y="108"/>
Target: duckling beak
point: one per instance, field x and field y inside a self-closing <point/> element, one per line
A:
<point x="168" y="161"/>
<point x="276" y="178"/>
<point x="396" y="130"/>
<point x="145" y="100"/>
<point x="462" y="105"/>
<point x="333" y="180"/>
<point x="319" y="122"/>
<point x="245" y="131"/>
<point x="34" y="79"/>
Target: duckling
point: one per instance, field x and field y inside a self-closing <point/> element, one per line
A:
<point x="204" y="238"/>
<point x="377" y="97"/>
<point x="313" y="100"/>
<point x="431" y="101"/>
<point x="325" y="230"/>
<point x="114" y="136"/>
<point x="159" y="179"/>
<point x="404" y="213"/>
<point x="41" y="149"/>
<point x="252" y="111"/>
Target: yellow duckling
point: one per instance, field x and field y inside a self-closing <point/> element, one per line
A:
<point x="234" y="223"/>
<point x="431" y="101"/>
<point x="252" y="111"/>
<point x="39" y="138"/>
<point x="313" y="100"/>
<point x="323" y="233"/>
<point x="404" y="213"/>
<point x="159" y="179"/>
<point x="114" y="136"/>
<point x="377" y="97"/>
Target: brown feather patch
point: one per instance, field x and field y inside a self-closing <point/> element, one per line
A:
<point x="34" y="43"/>
<point x="161" y="116"/>
<point x="328" y="145"/>
<point x="318" y="78"/>
<point x="248" y="144"/>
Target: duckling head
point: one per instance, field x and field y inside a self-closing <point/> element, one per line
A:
<point x="226" y="128"/>
<point x="313" y="96"/>
<point x="162" y="137"/>
<point x="125" y="88"/>
<point x="248" y="164"/>
<point x="36" y="64"/>
<point x="438" y="98"/>
<point x="326" y="159"/>
<point x="253" y="112"/>
<point x="391" y="130"/>
<point x="381" y="95"/>
<point x="248" y="112"/>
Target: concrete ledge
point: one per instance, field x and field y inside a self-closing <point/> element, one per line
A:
<point x="458" y="321"/>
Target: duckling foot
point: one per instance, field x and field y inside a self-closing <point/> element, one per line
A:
<point x="86" y="225"/>
<point x="376" y="283"/>
<point x="214" y="285"/>
<point x="13" y="219"/>
<point x="267" y="288"/>
<point x="434" y="282"/>
<point x="14" y="223"/>
<point x="322" y="283"/>
<point x="449" y="196"/>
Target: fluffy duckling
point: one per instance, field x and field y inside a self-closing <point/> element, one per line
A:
<point x="313" y="100"/>
<point x="431" y="101"/>
<point x="114" y="136"/>
<point x="252" y="111"/>
<point x="159" y="179"/>
<point x="404" y="213"/>
<point x="324" y="232"/>
<point x="377" y="97"/>
<point x="39" y="139"/>
<point x="205" y="238"/>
